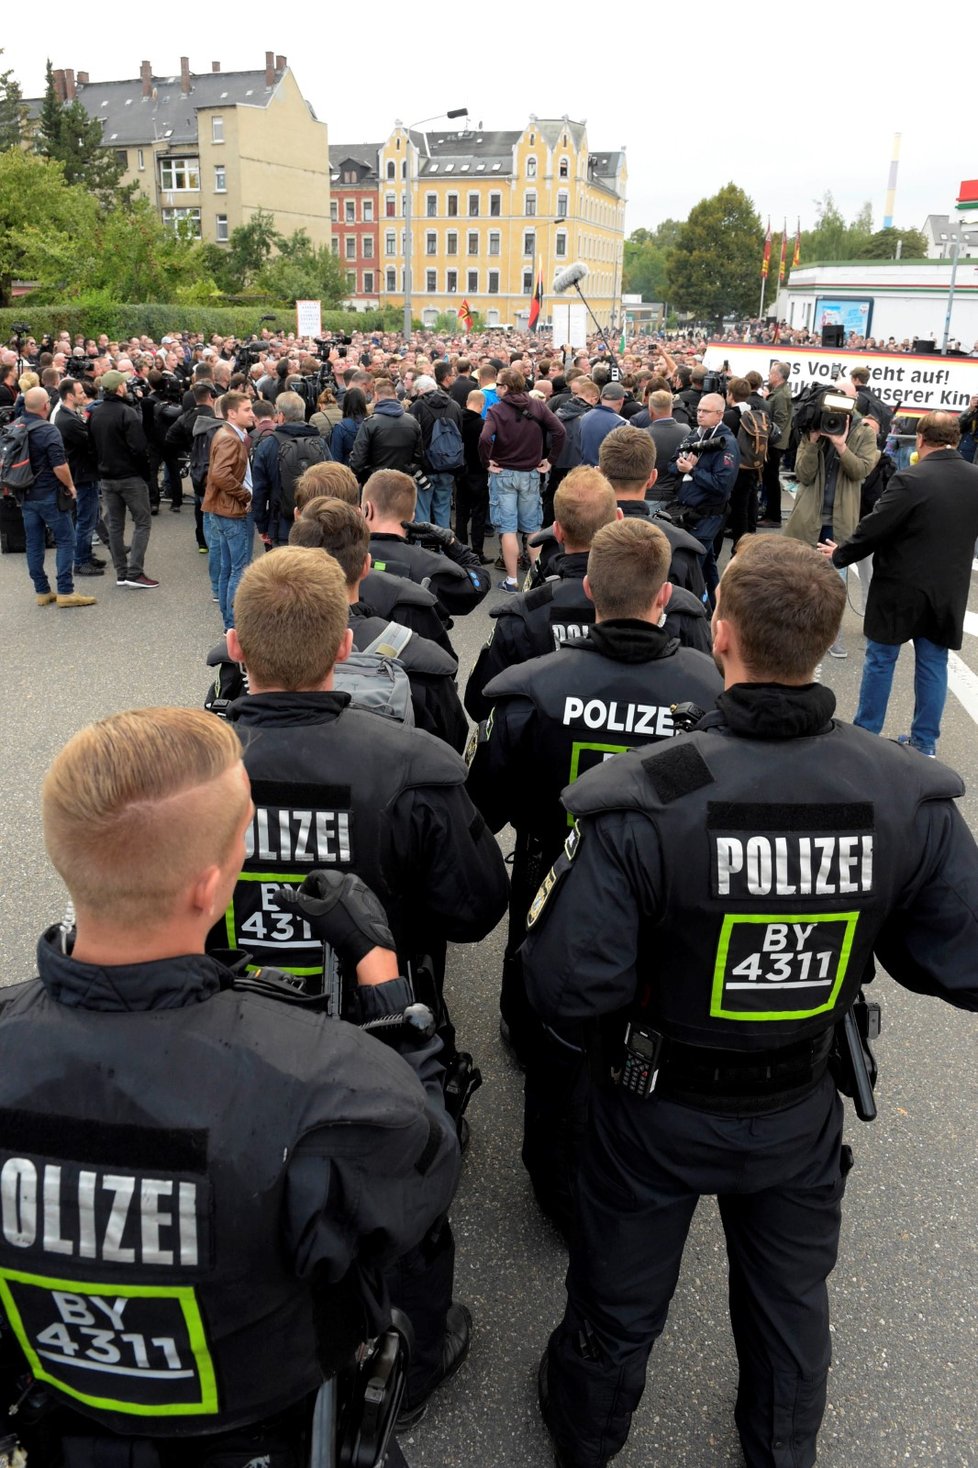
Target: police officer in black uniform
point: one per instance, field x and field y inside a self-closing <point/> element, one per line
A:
<point x="553" y="719"/>
<point x="203" y="1183"/>
<point x="730" y="919"/>
<point x="453" y="572"/>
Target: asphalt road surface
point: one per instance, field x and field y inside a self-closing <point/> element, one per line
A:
<point x="905" y="1292"/>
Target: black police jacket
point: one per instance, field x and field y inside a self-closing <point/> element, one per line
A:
<point x="685" y="567"/>
<point x="734" y="886"/>
<point x="338" y="787"/>
<point x="460" y="589"/>
<point x="558" y="716"/>
<point x="184" y="1158"/>
<point x="398" y="600"/>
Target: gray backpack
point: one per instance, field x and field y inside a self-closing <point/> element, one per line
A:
<point x="375" y="680"/>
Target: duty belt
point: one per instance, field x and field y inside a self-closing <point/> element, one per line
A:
<point x="742" y="1082"/>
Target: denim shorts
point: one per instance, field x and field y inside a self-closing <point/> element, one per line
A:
<point x="514" y="501"/>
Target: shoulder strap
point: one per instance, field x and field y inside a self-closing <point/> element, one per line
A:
<point x="392" y="641"/>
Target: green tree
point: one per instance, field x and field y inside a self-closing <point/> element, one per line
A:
<point x="249" y="249"/>
<point x="44" y="223"/>
<point x="647" y="258"/>
<point x="67" y="135"/>
<point x="303" y="271"/>
<point x="883" y="245"/>
<point x="832" y="238"/>
<point x="715" y="265"/>
<point x="12" y="111"/>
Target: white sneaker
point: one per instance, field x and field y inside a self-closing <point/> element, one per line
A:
<point x="837" y="650"/>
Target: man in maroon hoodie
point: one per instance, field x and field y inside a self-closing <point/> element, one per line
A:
<point x="519" y="440"/>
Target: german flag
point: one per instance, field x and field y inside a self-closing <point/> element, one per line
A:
<point x="465" y="314"/>
<point x="536" y="305"/>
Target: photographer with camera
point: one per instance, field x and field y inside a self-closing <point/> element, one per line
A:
<point x="836" y="450"/>
<point x="123" y="467"/>
<point x="709" y="462"/>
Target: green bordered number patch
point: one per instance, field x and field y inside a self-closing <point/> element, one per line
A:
<point x="778" y="966"/>
<point x="135" y="1349"/>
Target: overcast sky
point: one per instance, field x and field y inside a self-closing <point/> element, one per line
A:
<point x="786" y="104"/>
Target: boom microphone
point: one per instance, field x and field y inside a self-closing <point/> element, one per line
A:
<point x="570" y="276"/>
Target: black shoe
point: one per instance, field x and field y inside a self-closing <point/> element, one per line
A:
<point x="89" y="569"/>
<point x="454" y="1349"/>
<point x="97" y="561"/>
<point x="506" y="1035"/>
<point x="483" y="560"/>
<point x="543" y="1397"/>
<point x="175" y="509"/>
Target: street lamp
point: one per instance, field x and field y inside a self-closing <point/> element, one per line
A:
<point x="455" y="112"/>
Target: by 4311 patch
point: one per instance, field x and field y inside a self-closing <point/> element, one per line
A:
<point x="777" y="966"/>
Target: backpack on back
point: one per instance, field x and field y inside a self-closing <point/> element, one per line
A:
<point x="753" y="438"/>
<point x="445" y="452"/>
<point x="200" y="450"/>
<point x="295" y="456"/>
<point x="16" y="474"/>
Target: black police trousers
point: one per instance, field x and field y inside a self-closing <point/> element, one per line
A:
<point x="779" y="1180"/>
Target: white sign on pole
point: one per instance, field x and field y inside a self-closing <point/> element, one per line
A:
<point x="569" y="324"/>
<point x="920" y="384"/>
<point x="308" y="318"/>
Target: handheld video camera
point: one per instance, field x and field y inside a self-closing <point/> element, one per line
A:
<point x="820" y="410"/>
<point x="693" y="445"/>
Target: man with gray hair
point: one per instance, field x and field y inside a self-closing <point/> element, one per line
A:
<point x="440" y="419"/>
<point x="780" y="409"/>
<point x="278" y="462"/>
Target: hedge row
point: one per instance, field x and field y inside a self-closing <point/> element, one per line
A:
<point x="122" y="321"/>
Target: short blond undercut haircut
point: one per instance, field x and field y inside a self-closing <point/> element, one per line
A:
<point x="584" y="501"/>
<point x="134" y="809"/>
<point x="332" y="480"/>
<point x="627" y="566"/>
<point x="785" y="601"/>
<point x="290" y="614"/>
<point x="393" y="495"/>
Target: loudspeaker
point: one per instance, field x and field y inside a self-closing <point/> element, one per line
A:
<point x="923" y="347"/>
<point x="833" y="336"/>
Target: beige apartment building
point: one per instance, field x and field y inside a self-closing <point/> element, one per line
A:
<point x="212" y="148"/>
<point x="488" y="211"/>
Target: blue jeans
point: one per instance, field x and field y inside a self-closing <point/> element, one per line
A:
<point x="929" y="690"/>
<point x="233" y="540"/>
<point x="435" y="504"/>
<point x="38" y="516"/>
<point x="86" y="518"/>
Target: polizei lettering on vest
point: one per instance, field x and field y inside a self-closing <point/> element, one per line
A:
<point x="653" y="720"/>
<point x="310" y="836"/>
<point x="115" y="1218"/>
<point x="794" y="865"/>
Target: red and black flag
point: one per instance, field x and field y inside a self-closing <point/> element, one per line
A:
<point x="536" y="305"/>
<point x="465" y="314"/>
<point x="766" y="259"/>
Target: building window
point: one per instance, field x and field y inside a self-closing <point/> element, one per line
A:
<point x="494" y="242"/>
<point x="473" y="243"/>
<point x="368" y="246"/>
<point x="431" y="243"/>
<point x="351" y="246"/>
<point x="431" y="205"/>
<point x="390" y="206"/>
<point x="392" y="280"/>
<point x="529" y="242"/>
<point x="451" y="242"/>
<point x="563" y="170"/>
<point x="350" y="211"/>
<point x="494" y="282"/>
<point x="562" y="205"/>
<point x="404" y="169"/>
<point x="561" y="245"/>
<point x="140" y="159"/>
<point x="531" y="167"/>
<point x="122" y="157"/>
<point x="368" y="211"/>
<point x="334" y="211"/>
<point x="179" y="175"/>
<point x="451" y="282"/>
<point x="217" y="129"/>
<point x="335" y="244"/>
<point x="529" y="205"/>
<point x="472" y="276"/>
<point x="473" y="206"/>
<point x="351" y="280"/>
<point x="431" y="281"/>
<point x="527" y="282"/>
<point x="172" y="218"/>
<point x="220" y="179"/>
<point x="368" y="282"/>
<point x="390" y="243"/>
<point x="391" y="170"/>
<point x="495" y="205"/>
<point x="222" y="228"/>
<point x="453" y="206"/>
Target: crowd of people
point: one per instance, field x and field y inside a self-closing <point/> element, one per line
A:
<point x="246" y="1039"/>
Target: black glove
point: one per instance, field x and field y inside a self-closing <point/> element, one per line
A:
<point x="423" y="530"/>
<point x="341" y="910"/>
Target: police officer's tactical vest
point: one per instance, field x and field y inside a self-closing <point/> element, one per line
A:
<point x="143" y="1161"/>
<point x="553" y="614"/>
<point x="774" y="869"/>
